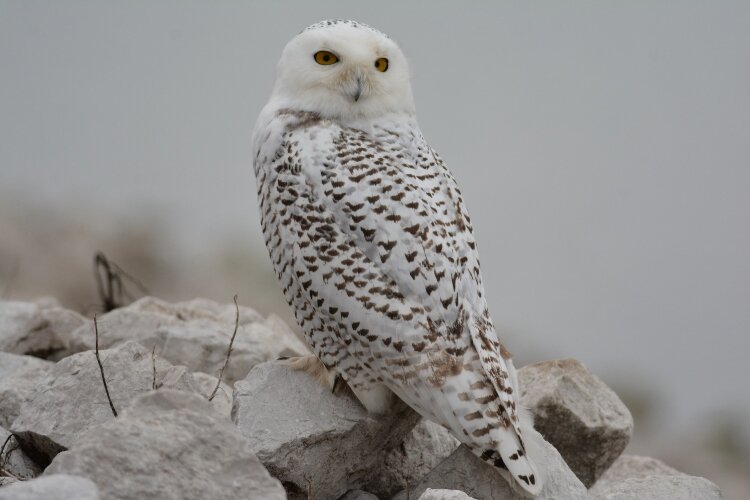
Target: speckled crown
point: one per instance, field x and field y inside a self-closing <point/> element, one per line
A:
<point x="334" y="22"/>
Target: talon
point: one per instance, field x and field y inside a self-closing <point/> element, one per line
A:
<point x="313" y="367"/>
<point x="336" y="381"/>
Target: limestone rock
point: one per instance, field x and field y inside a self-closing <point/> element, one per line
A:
<point x="578" y="414"/>
<point x="7" y="480"/>
<point x="70" y="397"/>
<point x="195" y="334"/>
<point x="14" y="461"/>
<point x="431" y="494"/>
<point x="312" y="439"/>
<point x="29" y="328"/>
<point x="198" y="309"/>
<point x="421" y="451"/>
<point x="53" y="487"/>
<point x="660" y="487"/>
<point x="463" y="471"/>
<point x="222" y="402"/>
<point x="18" y="374"/>
<point x="174" y="446"/>
<point x="635" y="477"/>
<point x="632" y="466"/>
<point x="60" y="323"/>
<point x="19" y="322"/>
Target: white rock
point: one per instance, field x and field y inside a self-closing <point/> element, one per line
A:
<point x="423" y="449"/>
<point x="463" y="471"/>
<point x="195" y="334"/>
<point x="578" y="414"/>
<point x="29" y="328"/>
<point x="53" y="487"/>
<point x="169" y="445"/>
<point x="7" y="480"/>
<point x="635" y="477"/>
<point x="60" y="325"/>
<point x="632" y="466"/>
<point x="70" y="397"/>
<point x="19" y="323"/>
<point x="222" y="402"/>
<point x="311" y="439"/>
<point x="18" y="374"/>
<point x="14" y="461"/>
<point x="198" y="309"/>
<point x="431" y="494"/>
<point x="661" y="487"/>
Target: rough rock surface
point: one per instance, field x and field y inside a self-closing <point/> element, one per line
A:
<point x="53" y="487"/>
<point x="465" y="472"/>
<point x="422" y="450"/>
<point x="431" y="494"/>
<point x="18" y="374"/>
<point x="222" y="402"/>
<point x="635" y="477"/>
<point x="632" y="466"/>
<point x="7" y="480"/>
<point x="660" y="487"/>
<point x="38" y="329"/>
<point x="14" y="461"/>
<point x="309" y="438"/>
<point x="173" y="445"/>
<point x="70" y="397"/>
<point x="578" y="414"/>
<point x="195" y="334"/>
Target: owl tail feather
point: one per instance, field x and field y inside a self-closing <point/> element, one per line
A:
<point x="511" y="457"/>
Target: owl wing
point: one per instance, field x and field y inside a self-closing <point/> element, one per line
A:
<point x="382" y="250"/>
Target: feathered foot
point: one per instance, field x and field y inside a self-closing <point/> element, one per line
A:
<point x="316" y="369"/>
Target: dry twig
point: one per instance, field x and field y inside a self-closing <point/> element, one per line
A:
<point x="101" y="368"/>
<point x="4" y="459"/>
<point x="309" y="488"/>
<point x="153" y="365"/>
<point x="229" y="351"/>
<point x="109" y="283"/>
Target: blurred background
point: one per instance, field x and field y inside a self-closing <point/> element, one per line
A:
<point x="603" y="150"/>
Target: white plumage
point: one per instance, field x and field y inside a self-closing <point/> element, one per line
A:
<point x="372" y="243"/>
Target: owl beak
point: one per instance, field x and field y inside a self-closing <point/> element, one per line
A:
<point x="358" y="90"/>
<point x="354" y="84"/>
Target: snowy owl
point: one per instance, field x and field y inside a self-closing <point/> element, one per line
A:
<point x="373" y="246"/>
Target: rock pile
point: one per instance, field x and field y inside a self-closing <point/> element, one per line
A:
<point x="269" y="432"/>
<point x="311" y="439"/>
<point x="578" y="414"/>
<point x="172" y="445"/>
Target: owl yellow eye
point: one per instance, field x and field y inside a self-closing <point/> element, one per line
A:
<point x="325" y="58"/>
<point x="381" y="64"/>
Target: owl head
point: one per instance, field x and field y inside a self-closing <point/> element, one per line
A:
<point x="343" y="70"/>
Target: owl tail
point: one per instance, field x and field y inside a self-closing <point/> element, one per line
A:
<point x="511" y="457"/>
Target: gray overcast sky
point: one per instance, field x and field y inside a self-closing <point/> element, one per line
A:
<point x="603" y="150"/>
